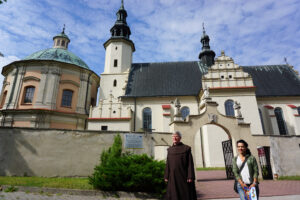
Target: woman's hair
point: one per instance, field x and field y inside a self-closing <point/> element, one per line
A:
<point x="245" y="144"/>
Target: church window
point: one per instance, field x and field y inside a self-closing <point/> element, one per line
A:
<point x="29" y="92"/>
<point x="147" y="119"/>
<point x="67" y="98"/>
<point x="229" y="108"/>
<point x="115" y="83"/>
<point x="116" y="48"/>
<point x="280" y="121"/>
<point x="222" y="77"/>
<point x="115" y="62"/>
<point x="262" y="121"/>
<point x="3" y="99"/>
<point x="62" y="43"/>
<point x="185" y="111"/>
<point x="230" y="76"/>
<point x="114" y="112"/>
<point x="58" y="43"/>
<point x="298" y="110"/>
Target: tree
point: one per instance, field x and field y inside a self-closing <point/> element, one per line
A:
<point x="1" y="1"/>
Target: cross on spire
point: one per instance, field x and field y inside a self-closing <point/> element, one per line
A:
<point x="64" y="29"/>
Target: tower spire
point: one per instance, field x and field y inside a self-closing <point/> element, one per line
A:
<point x="207" y="55"/>
<point x="122" y="5"/>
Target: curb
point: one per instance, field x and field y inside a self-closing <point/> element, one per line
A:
<point x="104" y="194"/>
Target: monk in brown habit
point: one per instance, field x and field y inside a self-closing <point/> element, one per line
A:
<point x="179" y="172"/>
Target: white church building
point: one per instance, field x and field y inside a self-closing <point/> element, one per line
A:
<point x="140" y="97"/>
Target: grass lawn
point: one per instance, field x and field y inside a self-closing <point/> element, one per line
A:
<point x="210" y="168"/>
<point x="69" y="183"/>
<point x="294" y="178"/>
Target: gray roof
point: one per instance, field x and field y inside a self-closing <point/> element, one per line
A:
<point x="164" y="79"/>
<point x="274" y="80"/>
<point x="184" y="79"/>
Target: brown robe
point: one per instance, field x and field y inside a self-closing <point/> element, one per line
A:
<point x="179" y="168"/>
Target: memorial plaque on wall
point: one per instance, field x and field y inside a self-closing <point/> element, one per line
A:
<point x="133" y="141"/>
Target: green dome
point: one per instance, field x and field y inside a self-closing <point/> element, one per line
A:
<point x="58" y="54"/>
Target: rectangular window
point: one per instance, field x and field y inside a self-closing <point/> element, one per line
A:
<point x="103" y="128"/>
<point x="67" y="98"/>
<point x="115" y="63"/>
<point x="29" y="92"/>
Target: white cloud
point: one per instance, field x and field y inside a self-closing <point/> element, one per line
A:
<point x="251" y="32"/>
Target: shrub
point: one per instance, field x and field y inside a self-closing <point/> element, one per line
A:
<point x="128" y="172"/>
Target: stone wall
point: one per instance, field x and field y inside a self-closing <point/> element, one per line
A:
<point x="285" y="155"/>
<point x="54" y="152"/>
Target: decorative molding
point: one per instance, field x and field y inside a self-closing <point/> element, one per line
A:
<point x="31" y="78"/>
<point x="239" y="87"/>
<point x="166" y="106"/>
<point x="268" y="107"/>
<point x="44" y="70"/>
<point x="291" y="106"/>
<point x="83" y="77"/>
<point x="212" y="118"/>
<point x="111" y="119"/>
<point x="5" y="83"/>
<point x="55" y="71"/>
<point x="69" y="82"/>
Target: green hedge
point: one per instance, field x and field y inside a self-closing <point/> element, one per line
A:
<point x="128" y="172"/>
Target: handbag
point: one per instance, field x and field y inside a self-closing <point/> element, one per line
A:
<point x="235" y="181"/>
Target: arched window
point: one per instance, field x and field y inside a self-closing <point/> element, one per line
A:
<point x="280" y="121"/>
<point x="147" y="119"/>
<point x="229" y="108"/>
<point x="62" y="43"/>
<point x="298" y="110"/>
<point x="67" y="98"/>
<point x="261" y="120"/>
<point x="115" y="83"/>
<point x="3" y="99"/>
<point x="58" y="43"/>
<point x="29" y="92"/>
<point x="185" y="111"/>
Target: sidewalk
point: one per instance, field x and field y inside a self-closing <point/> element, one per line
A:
<point x="214" y="185"/>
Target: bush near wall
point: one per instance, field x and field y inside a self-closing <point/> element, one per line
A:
<point x="128" y="172"/>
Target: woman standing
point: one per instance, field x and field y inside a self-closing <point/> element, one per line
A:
<point x="245" y="169"/>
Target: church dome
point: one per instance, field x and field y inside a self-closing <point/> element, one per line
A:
<point x="58" y="54"/>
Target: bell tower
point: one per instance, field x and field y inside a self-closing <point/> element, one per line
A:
<point x="119" y="47"/>
<point x="207" y="56"/>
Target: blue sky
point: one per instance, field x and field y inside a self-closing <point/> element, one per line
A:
<point x="255" y="32"/>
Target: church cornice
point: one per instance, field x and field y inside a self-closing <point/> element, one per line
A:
<point x="126" y="41"/>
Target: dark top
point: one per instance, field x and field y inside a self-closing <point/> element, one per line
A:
<point x="180" y="168"/>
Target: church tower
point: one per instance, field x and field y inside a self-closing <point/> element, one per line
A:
<point x="119" y="48"/>
<point x="118" y="58"/>
<point x="207" y="56"/>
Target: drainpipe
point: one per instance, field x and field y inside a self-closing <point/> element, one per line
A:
<point x="134" y="116"/>
<point x="86" y="96"/>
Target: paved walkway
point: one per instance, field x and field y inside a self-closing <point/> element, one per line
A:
<point x="210" y="185"/>
<point x="214" y="185"/>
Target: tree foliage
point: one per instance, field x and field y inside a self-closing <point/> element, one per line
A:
<point x="128" y="172"/>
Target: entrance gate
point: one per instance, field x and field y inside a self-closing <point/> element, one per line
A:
<point x="228" y="155"/>
<point x="264" y="159"/>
